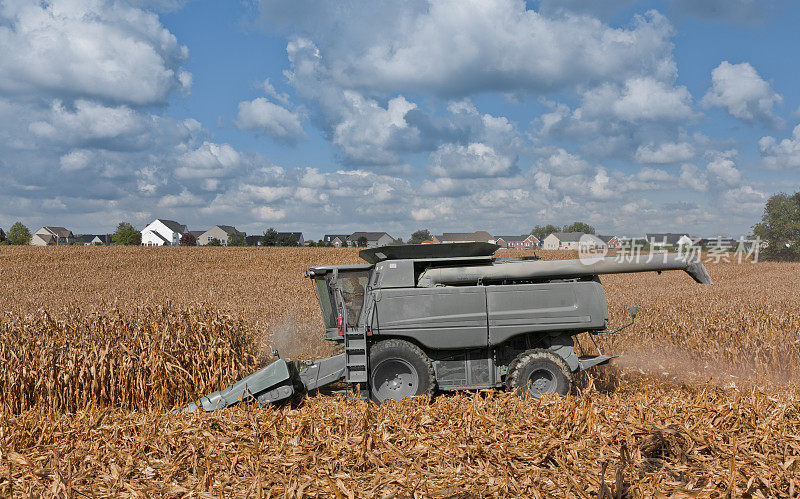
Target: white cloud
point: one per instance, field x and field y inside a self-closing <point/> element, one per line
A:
<point x="89" y="121"/>
<point x="693" y="178"/>
<point x="639" y="99"/>
<point x="370" y="134"/>
<point x="91" y="49"/>
<point x="76" y="159"/>
<point x="563" y="163"/>
<point x="781" y="155"/>
<point x="208" y="160"/>
<point x="724" y="169"/>
<point x="740" y="90"/>
<point x="458" y="47"/>
<point x="668" y="152"/>
<point x="185" y="198"/>
<point x="283" y="98"/>
<point x="471" y="161"/>
<point x="275" y="121"/>
<point x="744" y="200"/>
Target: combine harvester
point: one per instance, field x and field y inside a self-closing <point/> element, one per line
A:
<point x="451" y="317"/>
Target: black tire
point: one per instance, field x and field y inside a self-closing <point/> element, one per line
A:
<point x="539" y="371"/>
<point x="399" y="369"/>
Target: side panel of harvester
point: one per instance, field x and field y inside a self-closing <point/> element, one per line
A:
<point x="459" y="317"/>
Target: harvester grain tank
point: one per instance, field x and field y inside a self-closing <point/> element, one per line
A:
<point x="420" y="318"/>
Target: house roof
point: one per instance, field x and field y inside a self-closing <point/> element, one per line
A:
<point x="477" y="236"/>
<point x="173" y="225"/>
<point x="516" y="238"/>
<point x="328" y="238"/>
<point x="371" y="236"/>
<point x="297" y="235"/>
<point x="229" y="229"/>
<point x="58" y="231"/>
<point x="606" y="239"/>
<point x="568" y="237"/>
<point x="85" y="238"/>
<point x="196" y="233"/>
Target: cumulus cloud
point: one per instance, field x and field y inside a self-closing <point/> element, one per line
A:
<point x="781" y="155"/>
<point x="740" y="90"/>
<point x="92" y="49"/>
<point x="208" y="160"/>
<point x="639" y="99"/>
<point x="724" y="169"/>
<point x="371" y="134"/>
<point x="271" y="119"/>
<point x="471" y="161"/>
<point x="668" y="152"/>
<point x="458" y="48"/>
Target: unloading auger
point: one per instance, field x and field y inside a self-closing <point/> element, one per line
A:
<point x="418" y="318"/>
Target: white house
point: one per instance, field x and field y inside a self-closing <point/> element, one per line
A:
<point x="162" y="232"/>
<point x="571" y="241"/>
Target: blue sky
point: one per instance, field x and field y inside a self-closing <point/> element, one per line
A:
<point x="674" y="115"/>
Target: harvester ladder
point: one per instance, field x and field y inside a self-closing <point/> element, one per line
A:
<point x="355" y="349"/>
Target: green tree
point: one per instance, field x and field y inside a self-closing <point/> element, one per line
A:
<point x="270" y="237"/>
<point x="780" y="228"/>
<point x="287" y="240"/>
<point x="420" y="235"/>
<point x="214" y="242"/>
<point x="237" y="239"/>
<point x="543" y="231"/>
<point x="2" y="236"/>
<point x="126" y="235"/>
<point x="362" y="242"/>
<point x="19" y="234"/>
<point x="579" y="227"/>
<point x="188" y="239"/>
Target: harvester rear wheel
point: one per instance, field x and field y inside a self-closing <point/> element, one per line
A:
<point x="539" y="371"/>
<point x="398" y="370"/>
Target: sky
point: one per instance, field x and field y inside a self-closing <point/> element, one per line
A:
<point x="452" y="115"/>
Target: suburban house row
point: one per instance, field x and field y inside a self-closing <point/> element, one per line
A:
<point x="162" y="232"/>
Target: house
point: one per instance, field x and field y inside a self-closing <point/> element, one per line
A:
<point x="479" y="236"/>
<point x="374" y="239"/>
<point x="335" y="239"/>
<point x="196" y="234"/>
<point x="612" y="242"/>
<point x="660" y="240"/>
<point x="571" y="241"/>
<point x="162" y="232"/>
<point x="94" y="239"/>
<point x="525" y="241"/>
<point x="220" y="232"/>
<point x="42" y="240"/>
<point x="719" y="242"/>
<point x="52" y="235"/>
<point x="253" y="240"/>
<point x="298" y="236"/>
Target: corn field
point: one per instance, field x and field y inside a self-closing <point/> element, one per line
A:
<point x="99" y="344"/>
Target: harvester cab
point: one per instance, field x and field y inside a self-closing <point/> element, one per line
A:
<point x="420" y="318"/>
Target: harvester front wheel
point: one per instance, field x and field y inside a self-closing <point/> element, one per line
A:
<point x="398" y="370"/>
<point x="539" y="371"/>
